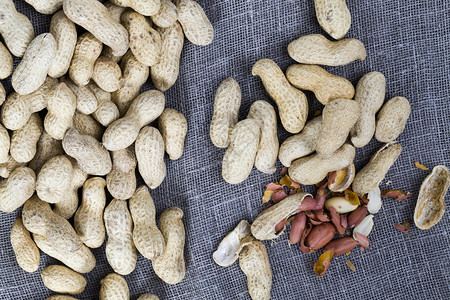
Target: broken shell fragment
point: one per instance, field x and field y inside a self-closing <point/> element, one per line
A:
<point x="375" y="201"/>
<point x="340" y="204"/>
<point x="430" y="205"/>
<point x="230" y="247"/>
<point x="343" y="180"/>
<point x="322" y="265"/>
<point x="365" y="227"/>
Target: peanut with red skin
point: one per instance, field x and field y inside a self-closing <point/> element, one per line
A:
<point x="341" y="246"/>
<point x="320" y="235"/>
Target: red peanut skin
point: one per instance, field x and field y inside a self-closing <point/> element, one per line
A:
<point x="356" y="216"/>
<point x="336" y="220"/>
<point x="341" y="246"/>
<point x="320" y="235"/>
<point x="297" y="228"/>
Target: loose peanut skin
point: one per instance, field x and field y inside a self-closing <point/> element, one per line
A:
<point x="144" y="7"/>
<point x="47" y="147"/>
<point x="61" y="279"/>
<point x="173" y="127"/>
<point x="334" y="17"/>
<point x="31" y="72"/>
<point x="121" y="181"/>
<point x="292" y="103"/>
<point x="239" y="158"/>
<point x="254" y="262"/>
<point x="6" y="64"/>
<point x="167" y="14"/>
<point x="268" y="144"/>
<point x="95" y="18"/>
<point x="114" y="286"/>
<point x="61" y="108"/>
<point x="195" y="23"/>
<point x="146" y="236"/>
<point x="53" y="181"/>
<point x="17" y="189"/>
<point x="107" y="74"/>
<point x="24" y="140"/>
<point x="46" y="6"/>
<point x="149" y="149"/>
<point x="391" y="119"/>
<point x="315" y="49"/>
<point x="170" y="266"/>
<point x="16" y="28"/>
<point x="26" y="251"/>
<point x="88" y="220"/>
<point x="227" y="102"/>
<point x="370" y="93"/>
<point x="87" y="50"/>
<point x="326" y="86"/>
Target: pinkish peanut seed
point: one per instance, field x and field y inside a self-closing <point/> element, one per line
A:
<point x="341" y="246"/>
<point x="320" y="235"/>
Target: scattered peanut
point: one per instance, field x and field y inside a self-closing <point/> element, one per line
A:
<point x="17" y="189"/>
<point x="107" y="74"/>
<point x="196" y="26"/>
<point x="2" y="94"/>
<point x="86" y="124"/>
<point x="107" y="112"/>
<point x="61" y="297"/>
<point x="6" y="63"/>
<point x="10" y="165"/>
<point x="144" y="7"/>
<point x="61" y="279"/>
<point x="173" y="127"/>
<point x="121" y="181"/>
<point x="340" y="204"/>
<point x="87" y="102"/>
<point x="148" y="296"/>
<point x="5" y="144"/>
<point x="46" y="6"/>
<point x="114" y="286"/>
<point x="26" y="251"/>
<point x="391" y="119"/>
<point x="53" y="181"/>
<point x="167" y="14"/>
<point x="292" y="103"/>
<point x="24" y="140"/>
<point x="334" y="17"/>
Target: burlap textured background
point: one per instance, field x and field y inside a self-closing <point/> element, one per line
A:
<point x="407" y="41"/>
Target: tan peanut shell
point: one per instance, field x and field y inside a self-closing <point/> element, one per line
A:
<point x="315" y="49"/>
<point x="292" y="103"/>
<point x="301" y="144"/>
<point x="239" y="158"/>
<point x="134" y="76"/>
<point x="88" y="220"/>
<point x="173" y="127"/>
<point x="334" y="17"/>
<point x="170" y="266"/>
<point x="147" y="237"/>
<point x="254" y="262"/>
<point x="430" y="205"/>
<point x="61" y="107"/>
<point x="2" y="94"/>
<point x="148" y="297"/>
<point x="370" y="93"/>
<point x="65" y="34"/>
<point x="149" y="147"/>
<point x="6" y="64"/>
<point x="96" y="19"/>
<point x="324" y="85"/>
<point x="67" y="207"/>
<point x="263" y="228"/>
<point x="81" y="261"/>
<point x="47" y="147"/>
<point x="391" y="119"/>
<point x="46" y="6"/>
<point x="17" y="189"/>
<point x="16" y="28"/>
<point x="196" y="26"/>
<point x="108" y="52"/>
<point x="86" y="124"/>
<point x="31" y="72"/>
<point x="53" y="181"/>
<point x="144" y="7"/>
<point x="87" y="102"/>
<point x="338" y="118"/>
<point x="107" y="74"/>
<point x="120" y="249"/>
<point x="115" y="11"/>
<point x="268" y="144"/>
<point x="5" y="144"/>
<point x="146" y="108"/>
<point x="121" y="181"/>
<point x="114" y="286"/>
<point x="61" y="297"/>
<point x="10" y="165"/>
<point x="18" y="109"/>
<point x="165" y="73"/>
<point x="107" y="112"/>
<point x="314" y="168"/>
<point x="227" y="102"/>
<point x="369" y="177"/>
<point x="145" y="42"/>
<point x="61" y="279"/>
<point x="88" y="152"/>
<point x="24" y="140"/>
<point x="88" y="48"/>
<point x="167" y="14"/>
<point x="25" y="250"/>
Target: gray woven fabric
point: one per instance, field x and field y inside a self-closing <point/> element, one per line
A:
<point x="407" y="41"/>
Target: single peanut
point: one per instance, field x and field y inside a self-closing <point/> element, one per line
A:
<point x="165" y="73"/>
<point x="65" y="34"/>
<point x="115" y="11"/>
<point x="170" y="266"/>
<point x="6" y="64"/>
<point x="17" y="189"/>
<point x="2" y="94"/>
<point x="341" y="246"/>
<point x="239" y="158"/>
<point x="88" y="220"/>
<point x="107" y="112"/>
<point x="147" y="237"/>
<point x="107" y="74"/>
<point x="120" y="249"/>
<point x="95" y="18"/>
<point x="356" y="216"/>
<point x="5" y="144"/>
<point x="167" y="14"/>
<point x="31" y="72"/>
<point x="144" y="7"/>
<point x="320" y="235"/>
<point x="391" y="119"/>
<point x="61" y="279"/>
<point x="315" y="49"/>
<point x="46" y="6"/>
<point x="24" y="140"/>
<point x="47" y="147"/>
<point x="87" y="102"/>
<point x="340" y="204"/>
<point x="149" y="147"/>
<point x="10" y="165"/>
<point x="121" y="181"/>
<point x="61" y="108"/>
<point x="61" y="297"/>
<point x="53" y="181"/>
<point x="145" y="109"/>
<point x="25" y="250"/>
<point x="114" y="286"/>
<point x="195" y="23"/>
<point x="292" y="103"/>
<point x="370" y="93"/>
<point x="148" y="297"/>
<point x="334" y="17"/>
<point x="86" y="124"/>
<point x="324" y="85"/>
<point x="173" y="127"/>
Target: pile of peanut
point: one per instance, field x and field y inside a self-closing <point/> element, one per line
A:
<point x="320" y="153"/>
<point x="95" y="125"/>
